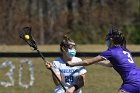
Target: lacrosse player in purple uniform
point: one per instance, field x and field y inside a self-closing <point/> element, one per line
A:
<point x="120" y="58"/>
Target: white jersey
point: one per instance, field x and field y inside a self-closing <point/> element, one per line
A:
<point x="68" y="73"/>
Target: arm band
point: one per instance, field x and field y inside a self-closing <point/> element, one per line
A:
<point x="76" y="87"/>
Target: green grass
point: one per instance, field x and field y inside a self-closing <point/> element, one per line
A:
<point x="99" y="79"/>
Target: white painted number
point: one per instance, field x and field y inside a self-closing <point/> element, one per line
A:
<point x="10" y="73"/>
<point x="31" y="73"/>
<point x="129" y="56"/>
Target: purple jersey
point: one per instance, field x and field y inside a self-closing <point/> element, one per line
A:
<point x="123" y="63"/>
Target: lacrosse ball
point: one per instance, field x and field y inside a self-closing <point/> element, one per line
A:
<point x="27" y="37"/>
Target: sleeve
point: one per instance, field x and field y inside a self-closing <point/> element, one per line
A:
<point x="82" y="70"/>
<point x="106" y="54"/>
<point x="56" y="67"/>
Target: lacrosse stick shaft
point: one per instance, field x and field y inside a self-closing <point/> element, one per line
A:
<point x="41" y="56"/>
<point x="50" y="69"/>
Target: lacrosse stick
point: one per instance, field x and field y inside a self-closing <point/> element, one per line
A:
<point x="26" y="35"/>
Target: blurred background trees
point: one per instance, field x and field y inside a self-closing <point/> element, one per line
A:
<point x="87" y="20"/>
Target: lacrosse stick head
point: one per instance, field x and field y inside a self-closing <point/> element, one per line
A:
<point x="26" y="35"/>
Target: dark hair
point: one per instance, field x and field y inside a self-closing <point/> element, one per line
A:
<point x="66" y="41"/>
<point x="117" y="36"/>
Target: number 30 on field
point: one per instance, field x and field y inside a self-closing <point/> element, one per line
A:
<point x="9" y="74"/>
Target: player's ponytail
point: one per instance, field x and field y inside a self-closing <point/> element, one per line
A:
<point x="123" y="44"/>
<point x="67" y="38"/>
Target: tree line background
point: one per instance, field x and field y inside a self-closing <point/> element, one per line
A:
<point x="87" y="20"/>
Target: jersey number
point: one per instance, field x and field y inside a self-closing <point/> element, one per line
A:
<point x="129" y="57"/>
<point x="69" y="79"/>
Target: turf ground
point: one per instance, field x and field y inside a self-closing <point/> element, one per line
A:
<point x="99" y="79"/>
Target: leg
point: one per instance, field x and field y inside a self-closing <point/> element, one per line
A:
<point x="128" y="88"/>
<point x="122" y="91"/>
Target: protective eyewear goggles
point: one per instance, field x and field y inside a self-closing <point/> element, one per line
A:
<point x="70" y="45"/>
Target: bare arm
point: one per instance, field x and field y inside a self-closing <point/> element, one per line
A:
<point x="78" y="84"/>
<point x="80" y="81"/>
<point x="49" y="66"/>
<point x="56" y="82"/>
<point x="87" y="61"/>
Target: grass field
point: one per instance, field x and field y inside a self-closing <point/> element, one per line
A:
<point x="99" y="79"/>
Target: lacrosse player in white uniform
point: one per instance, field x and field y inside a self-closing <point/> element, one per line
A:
<point x="73" y="78"/>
